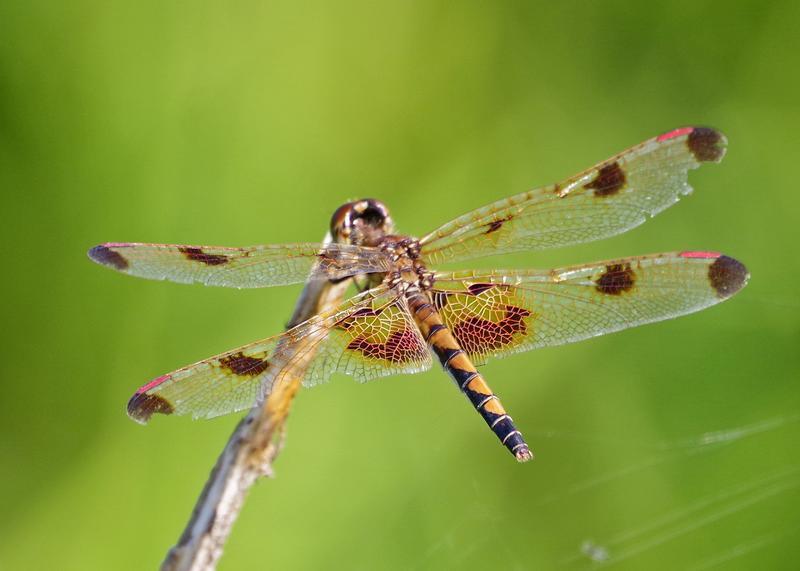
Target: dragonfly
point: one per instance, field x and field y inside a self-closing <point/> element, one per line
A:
<point x="405" y="313"/>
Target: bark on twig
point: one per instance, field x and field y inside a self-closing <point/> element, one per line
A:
<point x="250" y="451"/>
<point x="249" y="454"/>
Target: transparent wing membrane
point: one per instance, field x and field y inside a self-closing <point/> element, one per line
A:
<point x="251" y="267"/>
<point x="490" y="313"/>
<point x="502" y="312"/>
<point x="607" y="199"/>
<point x="369" y="336"/>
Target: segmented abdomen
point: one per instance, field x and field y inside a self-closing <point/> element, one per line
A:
<point x="456" y="362"/>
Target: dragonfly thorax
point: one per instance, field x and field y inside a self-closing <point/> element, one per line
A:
<point x="408" y="270"/>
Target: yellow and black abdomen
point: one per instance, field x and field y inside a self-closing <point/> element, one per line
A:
<point x="458" y="364"/>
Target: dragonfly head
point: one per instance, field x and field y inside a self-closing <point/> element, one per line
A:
<point x="362" y="222"/>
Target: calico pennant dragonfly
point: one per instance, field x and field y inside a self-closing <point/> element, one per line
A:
<point x="406" y="311"/>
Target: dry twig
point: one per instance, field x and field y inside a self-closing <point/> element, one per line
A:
<point x="250" y="451"/>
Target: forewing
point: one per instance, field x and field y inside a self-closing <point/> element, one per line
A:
<point x="503" y="312"/>
<point x="251" y="267"/>
<point x="368" y="336"/>
<point x="609" y="198"/>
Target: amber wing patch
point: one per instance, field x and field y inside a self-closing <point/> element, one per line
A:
<point x="385" y="334"/>
<point x="477" y="335"/>
<point x="399" y="347"/>
<point x="486" y="319"/>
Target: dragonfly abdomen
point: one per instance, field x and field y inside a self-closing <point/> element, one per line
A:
<point x="460" y="367"/>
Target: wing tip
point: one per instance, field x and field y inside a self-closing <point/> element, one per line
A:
<point x="705" y="143"/>
<point x="727" y="275"/>
<point x="142" y="406"/>
<point x="105" y="256"/>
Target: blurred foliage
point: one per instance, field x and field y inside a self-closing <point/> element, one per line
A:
<point x="673" y="446"/>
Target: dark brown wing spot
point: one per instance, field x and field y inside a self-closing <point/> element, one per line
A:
<point x="142" y="406"/>
<point x="400" y="347"/>
<point x="616" y="279"/>
<point x="477" y="289"/>
<point x="495" y="225"/>
<point x="197" y="255"/>
<point x="727" y="276"/>
<point x="243" y="365"/>
<point x="103" y="255"/>
<point x="706" y="144"/>
<point x="479" y="336"/>
<point x="349" y="321"/>
<point x="367" y="312"/>
<point x="609" y="180"/>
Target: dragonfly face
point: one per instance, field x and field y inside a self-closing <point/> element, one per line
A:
<point x="361" y="223"/>
<point x="407" y="312"/>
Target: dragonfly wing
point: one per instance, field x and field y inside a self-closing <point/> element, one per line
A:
<point x="368" y="336"/>
<point x="379" y="339"/>
<point x="609" y="198"/>
<point x="220" y="385"/>
<point x="251" y="267"/>
<point x="500" y="312"/>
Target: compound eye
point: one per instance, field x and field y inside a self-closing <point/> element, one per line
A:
<point x="363" y="222"/>
<point x="342" y="220"/>
<point x="373" y="216"/>
<point x="371" y="212"/>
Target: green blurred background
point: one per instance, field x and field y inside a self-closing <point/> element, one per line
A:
<point x="672" y="446"/>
